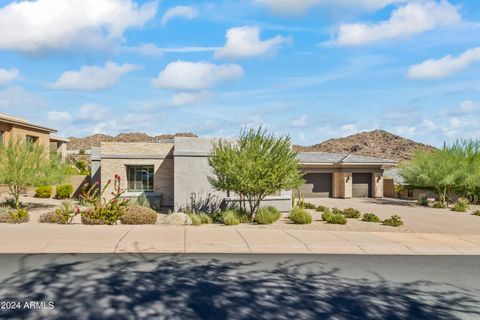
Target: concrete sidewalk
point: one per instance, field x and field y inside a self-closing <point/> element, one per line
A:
<point x="180" y="239"/>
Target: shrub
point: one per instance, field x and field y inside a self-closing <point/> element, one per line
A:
<point x="205" y="218"/>
<point x="309" y="205"/>
<point x="43" y="192"/>
<point x="64" y="191"/>
<point x="337" y="211"/>
<point x="63" y="215"/>
<point x="476" y="213"/>
<point x="439" y="205"/>
<point x="230" y="218"/>
<point x="423" y="201"/>
<point x="300" y="216"/>
<point x="50" y="217"/>
<point x="138" y="215"/>
<point x="196" y="221"/>
<point x="14" y="216"/>
<point x="267" y="215"/>
<point x="326" y="215"/>
<point x="370" y="217"/>
<point x="351" y="213"/>
<point x="322" y="208"/>
<point x="8" y="203"/>
<point x="393" y="221"/>
<point x="337" y="219"/>
<point x="462" y="205"/>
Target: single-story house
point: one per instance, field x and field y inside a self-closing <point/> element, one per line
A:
<point x="176" y="171"/>
<point x="16" y="128"/>
<point x="396" y="187"/>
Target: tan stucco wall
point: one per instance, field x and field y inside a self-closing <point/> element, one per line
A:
<point x="389" y="188"/>
<point x="112" y="163"/>
<point x="342" y="185"/>
<point x="377" y="185"/>
<point x="19" y="132"/>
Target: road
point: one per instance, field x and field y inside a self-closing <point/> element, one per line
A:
<point x="195" y="286"/>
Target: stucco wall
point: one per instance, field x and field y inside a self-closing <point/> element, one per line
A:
<point x="377" y="185"/>
<point x="19" y="132"/>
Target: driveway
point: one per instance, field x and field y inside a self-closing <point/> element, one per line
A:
<point x="416" y="218"/>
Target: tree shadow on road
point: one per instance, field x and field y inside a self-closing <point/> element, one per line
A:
<point x="176" y="286"/>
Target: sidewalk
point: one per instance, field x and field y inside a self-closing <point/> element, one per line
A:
<point x="180" y="239"/>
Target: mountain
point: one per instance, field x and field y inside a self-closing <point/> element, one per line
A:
<point x="94" y="140"/>
<point x="377" y="143"/>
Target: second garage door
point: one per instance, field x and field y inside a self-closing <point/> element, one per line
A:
<point x="317" y="185"/>
<point x="362" y="185"/>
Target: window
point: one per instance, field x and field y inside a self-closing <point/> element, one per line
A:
<point x="31" y="139"/>
<point x="140" y="178"/>
<point x="1" y="137"/>
<point x="410" y="193"/>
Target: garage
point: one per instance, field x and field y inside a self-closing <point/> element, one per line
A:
<point x="362" y="185"/>
<point x="317" y="185"/>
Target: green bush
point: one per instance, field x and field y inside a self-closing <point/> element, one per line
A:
<point x="326" y="215"/>
<point x="393" y="221"/>
<point x="63" y="215"/>
<point x="309" y="205"/>
<point x="300" y="216"/>
<point x="8" y="203"/>
<point x="205" y="218"/>
<point x="14" y="216"/>
<point x="351" y="213"/>
<point x="64" y="191"/>
<point x="423" y="201"/>
<point x="370" y="217"/>
<point x="136" y="214"/>
<point x="439" y="205"/>
<point x="337" y="211"/>
<point x="267" y="215"/>
<point x="43" y="192"/>
<point x="195" y="219"/>
<point x="462" y="205"/>
<point x="321" y="208"/>
<point x="230" y="218"/>
<point x="337" y="219"/>
<point x="476" y="213"/>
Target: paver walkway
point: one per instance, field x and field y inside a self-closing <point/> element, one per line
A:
<point x="39" y="238"/>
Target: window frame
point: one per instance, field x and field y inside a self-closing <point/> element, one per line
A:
<point x="139" y="184"/>
<point x="2" y="133"/>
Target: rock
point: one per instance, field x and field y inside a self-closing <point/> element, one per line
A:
<point x="177" y="218"/>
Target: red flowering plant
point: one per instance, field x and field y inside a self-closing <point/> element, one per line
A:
<point x="107" y="211"/>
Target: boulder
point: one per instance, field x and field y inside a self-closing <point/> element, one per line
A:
<point x="177" y="218"/>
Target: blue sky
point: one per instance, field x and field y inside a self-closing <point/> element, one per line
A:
<point x="313" y="69"/>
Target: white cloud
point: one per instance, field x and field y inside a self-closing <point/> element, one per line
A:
<point x="59" y="116"/>
<point x="441" y="68"/>
<point x="243" y="42"/>
<point x="405" y="131"/>
<point x="8" y="75"/>
<point x="295" y="7"/>
<point x="185" y="98"/>
<point x="404" y="22"/>
<point x="91" y="112"/>
<point x="429" y="125"/>
<point x="51" y="24"/>
<point x="184" y="75"/>
<point x="178" y="11"/>
<point x="349" y="129"/>
<point x="468" y="107"/>
<point x="91" y="78"/>
<point x="300" y="122"/>
<point x="149" y="49"/>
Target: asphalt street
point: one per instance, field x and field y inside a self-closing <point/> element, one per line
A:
<point x="219" y="286"/>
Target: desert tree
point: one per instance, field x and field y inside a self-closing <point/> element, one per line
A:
<point x="256" y="165"/>
<point x="24" y="164"/>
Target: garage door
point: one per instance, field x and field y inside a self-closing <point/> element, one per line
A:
<point x="317" y="185"/>
<point x="362" y="185"/>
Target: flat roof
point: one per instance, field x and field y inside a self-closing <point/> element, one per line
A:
<point x="339" y="158"/>
<point x="23" y="123"/>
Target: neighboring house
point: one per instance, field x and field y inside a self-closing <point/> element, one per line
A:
<point x="395" y="187"/>
<point x="176" y="171"/>
<point x="16" y="128"/>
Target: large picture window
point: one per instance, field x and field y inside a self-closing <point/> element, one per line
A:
<point x="140" y="178"/>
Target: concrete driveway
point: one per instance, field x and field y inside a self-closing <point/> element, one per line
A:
<point x="416" y="218"/>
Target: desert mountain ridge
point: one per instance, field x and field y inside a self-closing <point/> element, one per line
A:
<point x="377" y="143"/>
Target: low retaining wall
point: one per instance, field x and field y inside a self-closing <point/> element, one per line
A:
<point x="282" y="203"/>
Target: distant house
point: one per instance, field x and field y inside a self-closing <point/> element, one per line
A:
<point x="396" y="187"/>
<point x="16" y="128"/>
<point x="176" y="172"/>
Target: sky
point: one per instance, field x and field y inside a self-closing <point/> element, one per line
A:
<point x="310" y="69"/>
